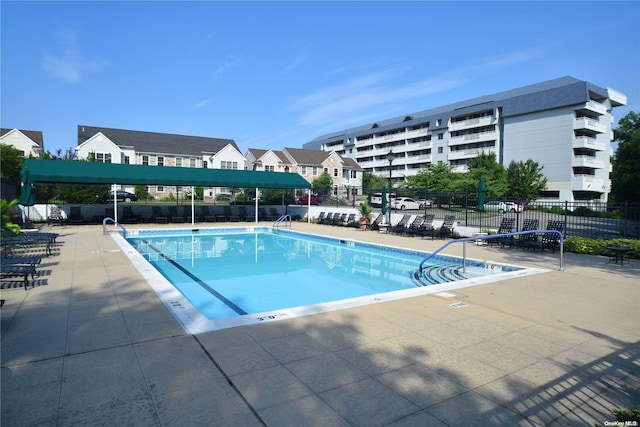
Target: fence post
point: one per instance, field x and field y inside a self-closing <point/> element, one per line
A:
<point x="566" y="215"/>
<point x="625" y="219"/>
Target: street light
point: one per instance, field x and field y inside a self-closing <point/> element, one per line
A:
<point x="390" y="157"/>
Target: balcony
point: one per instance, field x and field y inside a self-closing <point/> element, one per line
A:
<point x="473" y="137"/>
<point x="586" y="123"/>
<point x="469" y="154"/>
<point x="472" y="123"/>
<point x="593" y="107"/>
<point x="587" y="183"/>
<point x="587" y="162"/>
<point x="588" y="142"/>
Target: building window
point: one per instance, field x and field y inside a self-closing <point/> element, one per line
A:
<point x="145" y="159"/>
<point x="103" y="157"/>
<point x="160" y="189"/>
<point x="314" y="171"/>
<point x="335" y="172"/>
<point x="126" y="160"/>
<point x="224" y="164"/>
<point x="441" y="136"/>
<point x="440" y="150"/>
<point x="303" y="171"/>
<point x="269" y="168"/>
<point x="205" y="164"/>
<point x="354" y="174"/>
<point x="192" y="163"/>
<point x="179" y="161"/>
<point x="438" y="122"/>
<point x="325" y="170"/>
<point x="160" y="160"/>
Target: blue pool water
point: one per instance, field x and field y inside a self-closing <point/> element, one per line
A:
<point x="239" y="271"/>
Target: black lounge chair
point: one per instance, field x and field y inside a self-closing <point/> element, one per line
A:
<point x="55" y="216"/>
<point x="173" y="215"/>
<point x="75" y="216"/>
<point x="427" y="229"/>
<point x="401" y="226"/>
<point x="127" y="216"/>
<point x="375" y="225"/>
<point x="320" y="217"/>
<point x="446" y="229"/>
<point x="547" y="240"/>
<point x="157" y="216"/>
<point x="506" y="226"/>
<point x="415" y="225"/>
<point x="328" y="219"/>
<point x="206" y="215"/>
<point x="527" y="225"/>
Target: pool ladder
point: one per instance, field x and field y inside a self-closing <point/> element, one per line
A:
<point x="419" y="272"/>
<point x="104" y="225"/>
<point x="284" y="220"/>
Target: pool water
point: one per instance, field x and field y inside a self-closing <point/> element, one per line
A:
<point x="259" y="272"/>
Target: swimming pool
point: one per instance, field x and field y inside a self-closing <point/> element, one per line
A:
<point x="220" y="277"/>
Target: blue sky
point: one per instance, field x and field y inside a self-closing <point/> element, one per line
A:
<point x="279" y="74"/>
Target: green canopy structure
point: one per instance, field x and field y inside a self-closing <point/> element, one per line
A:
<point x="75" y="172"/>
<point x="115" y="173"/>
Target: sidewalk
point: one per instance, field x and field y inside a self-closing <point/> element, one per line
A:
<point x="91" y="344"/>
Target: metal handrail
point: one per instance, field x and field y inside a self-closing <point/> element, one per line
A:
<point x="464" y="240"/>
<point x="286" y="219"/>
<point x="104" y="225"/>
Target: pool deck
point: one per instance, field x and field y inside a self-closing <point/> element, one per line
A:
<point x="92" y="344"/>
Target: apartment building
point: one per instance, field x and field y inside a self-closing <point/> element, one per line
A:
<point x="29" y="142"/>
<point x="563" y="124"/>
<point x="159" y="149"/>
<point x="345" y="172"/>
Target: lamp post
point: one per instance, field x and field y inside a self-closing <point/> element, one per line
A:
<point x="390" y="157"/>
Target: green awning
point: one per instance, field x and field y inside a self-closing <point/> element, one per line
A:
<point x="111" y="173"/>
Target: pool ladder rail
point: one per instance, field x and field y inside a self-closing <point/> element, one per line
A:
<point x="284" y="220"/>
<point x="420" y="271"/>
<point x="104" y="225"/>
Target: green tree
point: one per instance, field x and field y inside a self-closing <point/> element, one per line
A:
<point x="525" y="179"/>
<point x="11" y="160"/>
<point x="373" y="183"/>
<point x="487" y="167"/>
<point x="625" y="175"/>
<point x="323" y="182"/>
<point x="434" y="178"/>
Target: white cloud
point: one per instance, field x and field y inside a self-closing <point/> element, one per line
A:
<point x="222" y="68"/>
<point x="70" y="66"/>
<point x="295" y="63"/>
<point x="203" y="103"/>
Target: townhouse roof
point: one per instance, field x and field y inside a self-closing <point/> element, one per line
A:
<point x="317" y="157"/>
<point x="258" y="153"/>
<point x="34" y="135"/>
<point x="541" y="96"/>
<point x="155" y="142"/>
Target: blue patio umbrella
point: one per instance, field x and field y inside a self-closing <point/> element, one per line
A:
<point x="27" y="195"/>
<point x="482" y="195"/>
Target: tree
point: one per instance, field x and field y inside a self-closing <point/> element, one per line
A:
<point x="11" y="160"/>
<point x="434" y="178"/>
<point x="323" y="182"/>
<point x="372" y="183"/>
<point x="487" y="167"/>
<point x="525" y="179"/>
<point x="625" y="176"/>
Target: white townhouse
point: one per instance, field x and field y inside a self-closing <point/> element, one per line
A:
<point x="29" y="142"/>
<point x="160" y="149"/>
<point x="345" y="172"/>
<point x="564" y="124"/>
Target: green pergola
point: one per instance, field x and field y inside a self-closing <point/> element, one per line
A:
<point x="66" y="171"/>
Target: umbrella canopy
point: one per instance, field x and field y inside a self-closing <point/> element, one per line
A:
<point x="482" y="195"/>
<point x="27" y="196"/>
<point x="384" y="200"/>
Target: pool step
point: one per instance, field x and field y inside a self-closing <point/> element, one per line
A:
<point x="436" y="274"/>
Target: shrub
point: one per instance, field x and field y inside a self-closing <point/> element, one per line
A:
<point x="584" y="245"/>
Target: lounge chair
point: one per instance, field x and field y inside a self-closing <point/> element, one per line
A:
<point x="547" y="240"/>
<point x="157" y="216"/>
<point x="173" y="215"/>
<point x="127" y="216"/>
<point x="328" y="219"/>
<point x="506" y="226"/>
<point x="186" y="213"/>
<point x="273" y="214"/>
<point x="205" y="215"/>
<point x="427" y="229"/>
<point x="340" y="219"/>
<point x="527" y="225"/>
<point x="55" y="216"/>
<point x="375" y="225"/>
<point x="351" y="219"/>
<point x="320" y="217"/>
<point x="250" y="215"/>
<point x="13" y="270"/>
<point x="75" y="216"/>
<point x="242" y="213"/>
<point x="414" y="227"/>
<point x="446" y="229"/>
<point x="401" y="226"/>
<point x="234" y="214"/>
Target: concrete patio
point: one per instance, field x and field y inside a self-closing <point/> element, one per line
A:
<point x="92" y="344"/>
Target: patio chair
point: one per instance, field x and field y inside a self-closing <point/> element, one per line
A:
<point x="351" y="220"/>
<point x="234" y="214"/>
<point x="506" y="226"/>
<point x="127" y="216"/>
<point x="262" y="214"/>
<point x="321" y="217"/>
<point x="415" y="225"/>
<point x="273" y="214"/>
<point x="401" y="226"/>
<point x="242" y="213"/>
<point x="75" y="216"/>
<point x="427" y="229"/>
<point x="219" y="213"/>
<point x="375" y="225"/>
<point x="446" y="229"/>
<point x="157" y="216"/>
<point x="206" y="215"/>
<point x="55" y="216"/>
<point x="547" y="240"/>
<point x="250" y="215"/>
<point x="340" y="219"/>
<point x="328" y="219"/>
<point x="173" y="215"/>
<point x="527" y="225"/>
